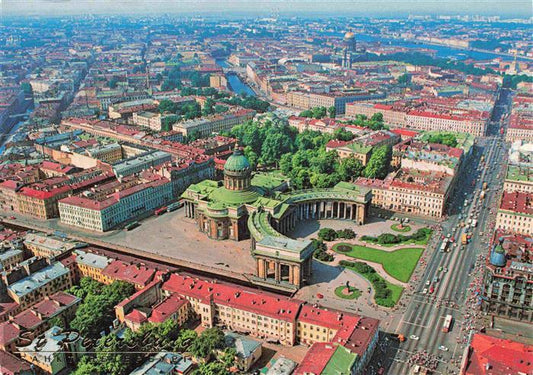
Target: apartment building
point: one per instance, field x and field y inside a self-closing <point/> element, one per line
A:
<point x="33" y="321"/>
<point x="422" y="193"/>
<point x="425" y="117"/>
<point x="306" y="100"/>
<point x="516" y="212"/>
<point x="54" y="352"/>
<point x="205" y="126"/>
<point x="140" y="162"/>
<point x="361" y="147"/>
<point x="507" y="281"/>
<point x="273" y="317"/>
<point x="109" y="205"/>
<point x="34" y="279"/>
<point x="150" y="120"/>
<point x="46" y="245"/>
<point x="519" y="179"/>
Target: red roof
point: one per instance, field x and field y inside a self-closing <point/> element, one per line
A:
<point x="229" y="295"/>
<point x="11" y="365"/>
<point x="491" y="355"/>
<point x="316" y="359"/>
<point x="136" y="316"/>
<point x="404" y="132"/>
<point x="43" y="192"/>
<point x="132" y="273"/>
<point x="8" y="333"/>
<point x="344" y="323"/>
<point x="166" y="308"/>
<point x="517" y="201"/>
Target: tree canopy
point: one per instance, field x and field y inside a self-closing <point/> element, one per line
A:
<point x="300" y="156"/>
<point x="378" y="165"/>
<point x="96" y="312"/>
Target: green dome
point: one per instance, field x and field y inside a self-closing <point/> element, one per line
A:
<point x="237" y="162"/>
<point x="236" y="197"/>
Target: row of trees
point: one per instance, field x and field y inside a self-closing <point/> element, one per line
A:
<point x="329" y="234"/>
<point x="303" y="156"/>
<point x="422" y="234"/>
<point x="374" y="123"/>
<point x="248" y="101"/>
<point x="319" y="112"/>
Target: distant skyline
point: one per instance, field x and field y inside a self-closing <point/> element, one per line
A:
<point x="390" y="8"/>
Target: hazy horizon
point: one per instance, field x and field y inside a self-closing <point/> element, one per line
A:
<point x="506" y="9"/>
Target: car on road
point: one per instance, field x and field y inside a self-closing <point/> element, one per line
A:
<point x="413" y="337"/>
<point x="443" y="348"/>
<point x="428" y="282"/>
<point x="436" y="279"/>
<point x="441" y="268"/>
<point x="431" y="290"/>
<point x="425" y="291"/>
<point x="445" y="269"/>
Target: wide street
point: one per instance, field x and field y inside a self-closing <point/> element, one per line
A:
<point x="440" y="293"/>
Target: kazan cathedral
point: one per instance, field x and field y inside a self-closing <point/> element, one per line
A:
<point x="260" y="207"/>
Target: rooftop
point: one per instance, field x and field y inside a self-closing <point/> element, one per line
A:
<point x="490" y="355"/>
<point x="261" y="303"/>
<point x="38" y="279"/>
<point x="517" y="202"/>
<point x="132" y="273"/>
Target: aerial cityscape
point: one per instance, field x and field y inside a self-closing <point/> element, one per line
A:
<point x="244" y="187"/>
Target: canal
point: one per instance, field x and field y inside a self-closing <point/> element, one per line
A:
<point x="234" y="81"/>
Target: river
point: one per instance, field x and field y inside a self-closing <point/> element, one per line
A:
<point x="234" y="81"/>
<point x="442" y="51"/>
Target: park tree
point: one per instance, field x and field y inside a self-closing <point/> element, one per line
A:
<point x="167" y="105"/>
<point x="327" y="234"/>
<point x="209" y="340"/>
<point x="112" y="83"/>
<point x="404" y="79"/>
<point x="378" y="165"/>
<point x="96" y="312"/>
<point x="332" y="111"/>
<point x="343" y="135"/>
<point x="350" y="168"/>
<point x="186" y="338"/>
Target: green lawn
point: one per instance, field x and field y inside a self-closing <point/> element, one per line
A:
<point x="400" y="263"/>
<point x="355" y="293"/>
<point x="373" y="277"/>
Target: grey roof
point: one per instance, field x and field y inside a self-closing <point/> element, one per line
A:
<point x="285" y="243"/>
<point x="282" y="366"/>
<point x="91" y="259"/>
<point x="9" y="253"/>
<point x="38" y="279"/>
<point x="244" y="346"/>
<point x="163" y="363"/>
<point x="51" y="342"/>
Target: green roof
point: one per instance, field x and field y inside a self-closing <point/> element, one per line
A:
<point x="237" y="162"/>
<point x="341" y="362"/>
<point x="359" y="148"/>
<point x="516" y="173"/>
<point x="235" y="197"/>
<point x="268" y="181"/>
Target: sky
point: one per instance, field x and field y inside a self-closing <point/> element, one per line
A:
<point x="505" y="8"/>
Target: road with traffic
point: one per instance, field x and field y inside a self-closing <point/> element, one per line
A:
<point x="447" y="285"/>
